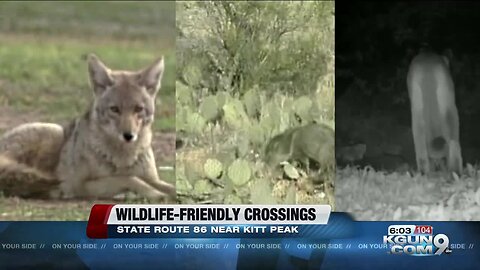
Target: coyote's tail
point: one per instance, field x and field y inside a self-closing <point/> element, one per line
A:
<point x="20" y="180"/>
<point x="28" y="156"/>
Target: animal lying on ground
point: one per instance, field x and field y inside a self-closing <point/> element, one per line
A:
<point x="103" y="153"/>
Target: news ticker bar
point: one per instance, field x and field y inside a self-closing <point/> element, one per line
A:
<point x="206" y="221"/>
<point x="343" y="243"/>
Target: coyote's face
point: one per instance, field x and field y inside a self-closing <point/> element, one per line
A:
<point x="124" y="100"/>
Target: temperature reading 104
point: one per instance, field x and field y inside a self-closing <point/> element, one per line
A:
<point x="423" y="229"/>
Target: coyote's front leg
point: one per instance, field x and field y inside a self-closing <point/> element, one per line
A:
<point x="108" y="187"/>
<point x="148" y="172"/>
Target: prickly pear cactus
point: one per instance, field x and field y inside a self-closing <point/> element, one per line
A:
<point x="239" y="172"/>
<point x="271" y="117"/>
<point x="183" y="94"/>
<point x="192" y="161"/>
<point x="261" y="192"/>
<point x="285" y="121"/>
<point x="316" y="112"/>
<point x="235" y="115"/>
<point x="231" y="117"/>
<point x="202" y="186"/>
<point x="243" y="146"/>
<point x="180" y="118"/>
<point x="183" y="186"/>
<point x="195" y="123"/>
<point x="222" y="98"/>
<point x="302" y="106"/>
<point x="213" y="168"/>
<point x="252" y="102"/>
<point x="288" y="104"/>
<point x="193" y="74"/>
<point x="256" y="134"/>
<point x="209" y="108"/>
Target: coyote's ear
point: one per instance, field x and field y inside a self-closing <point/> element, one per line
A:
<point x="151" y="76"/>
<point x="99" y="74"/>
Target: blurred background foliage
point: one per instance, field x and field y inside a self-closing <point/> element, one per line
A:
<point x="43" y="44"/>
<point x="225" y="46"/>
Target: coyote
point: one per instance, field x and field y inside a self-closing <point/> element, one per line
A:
<point x="105" y="152"/>
<point x="435" y="122"/>
<point x="309" y="142"/>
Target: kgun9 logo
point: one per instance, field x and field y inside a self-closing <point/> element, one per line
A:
<point x="418" y="245"/>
